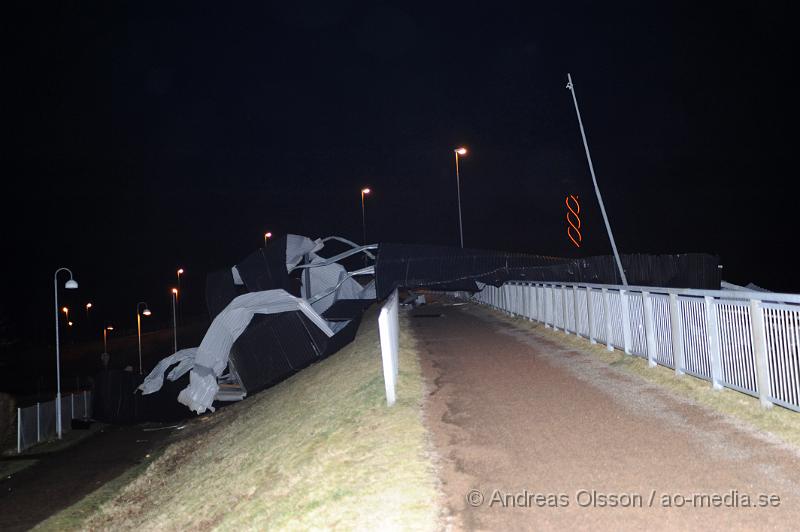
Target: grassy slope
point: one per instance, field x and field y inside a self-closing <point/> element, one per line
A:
<point x="319" y="450"/>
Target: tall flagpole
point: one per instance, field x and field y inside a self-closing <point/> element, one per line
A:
<point x="571" y="88"/>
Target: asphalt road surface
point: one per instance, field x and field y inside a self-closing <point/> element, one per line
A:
<point x="62" y="478"/>
<point x="530" y="434"/>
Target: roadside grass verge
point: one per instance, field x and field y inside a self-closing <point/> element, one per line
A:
<point x="778" y="421"/>
<point x="320" y="450"/>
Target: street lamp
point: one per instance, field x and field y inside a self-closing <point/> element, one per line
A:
<point x="145" y="312"/>
<point x="71" y="285"/>
<point x="88" y="323"/>
<point x="364" y="192"/>
<point x="174" y="320"/>
<point x="180" y="272"/>
<point x="462" y="152"/>
<point x="105" y="337"/>
<point x="267" y="236"/>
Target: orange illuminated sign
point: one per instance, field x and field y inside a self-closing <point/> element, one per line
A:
<point x="573" y="220"/>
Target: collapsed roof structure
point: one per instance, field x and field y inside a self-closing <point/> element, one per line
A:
<point x="260" y="332"/>
<point x="286" y="306"/>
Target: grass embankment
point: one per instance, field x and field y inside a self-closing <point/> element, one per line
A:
<point x="778" y="421"/>
<point x="319" y="450"/>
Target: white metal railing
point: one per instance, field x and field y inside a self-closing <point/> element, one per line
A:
<point x="389" y="327"/>
<point x="746" y="341"/>
<point x="38" y="423"/>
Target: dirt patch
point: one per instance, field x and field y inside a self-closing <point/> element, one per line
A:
<point x="553" y="439"/>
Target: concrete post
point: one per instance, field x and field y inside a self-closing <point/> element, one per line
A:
<point x="650" y="330"/>
<point x="626" y="321"/>
<point x="712" y="330"/>
<point x="760" y="352"/>
<point x="607" y="311"/>
<point x="676" y="326"/>
<point x="590" y="314"/>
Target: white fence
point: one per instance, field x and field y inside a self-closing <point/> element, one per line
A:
<point x="389" y="327"/>
<point x="37" y="423"/>
<point x="747" y="341"/>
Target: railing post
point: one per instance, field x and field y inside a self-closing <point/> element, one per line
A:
<point x="38" y="425"/>
<point x="626" y="321"/>
<point x="760" y="352"/>
<point x="564" y="309"/>
<point x="542" y="302"/>
<point x="526" y="300"/>
<point x="590" y="314"/>
<point x="19" y="430"/>
<point x="529" y="301"/>
<point x="607" y="311"/>
<point x="85" y="404"/>
<point x="575" y="309"/>
<point x="712" y="329"/>
<point x="552" y="309"/>
<point x="649" y="329"/>
<point x="72" y="406"/>
<point x="676" y="326"/>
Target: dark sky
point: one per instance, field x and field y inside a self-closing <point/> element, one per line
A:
<point x="142" y="138"/>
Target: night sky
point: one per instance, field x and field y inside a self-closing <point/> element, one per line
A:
<point x="140" y="139"/>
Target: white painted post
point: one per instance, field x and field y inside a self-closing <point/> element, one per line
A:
<point x="19" y="430"/>
<point x="564" y="309"/>
<point x="712" y="329"/>
<point x="649" y="330"/>
<point x="38" y="425"/>
<point x="531" y="301"/>
<point x="540" y="302"/>
<point x="607" y="311"/>
<point x="760" y="352"/>
<point x="575" y="309"/>
<point x="552" y="308"/>
<point x="590" y="314"/>
<point x="626" y="321"/>
<point x="388" y="328"/>
<point x="676" y="326"/>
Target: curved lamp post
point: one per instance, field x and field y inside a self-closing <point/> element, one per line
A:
<point x="459" y="151"/>
<point x="174" y="320"/>
<point x="145" y="312"/>
<point x="364" y="192"/>
<point x="71" y="284"/>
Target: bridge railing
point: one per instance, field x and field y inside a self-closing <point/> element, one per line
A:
<point x="746" y="341"/>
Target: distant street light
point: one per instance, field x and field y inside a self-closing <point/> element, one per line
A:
<point x="105" y="337"/>
<point x="180" y="272"/>
<point x="364" y="192"/>
<point x="267" y="236"/>
<point x="174" y="320"/>
<point x="462" y="152"/>
<point x="65" y="310"/>
<point x="71" y="285"/>
<point x="145" y="312"/>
